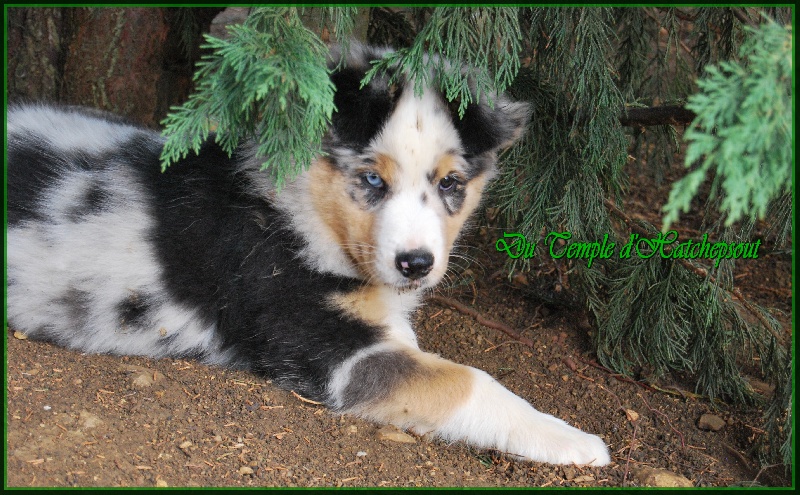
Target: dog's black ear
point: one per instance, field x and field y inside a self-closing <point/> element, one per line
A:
<point x="360" y="112"/>
<point x="484" y="128"/>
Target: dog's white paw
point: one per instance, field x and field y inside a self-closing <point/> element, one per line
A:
<point x="493" y="417"/>
<point x="546" y="439"/>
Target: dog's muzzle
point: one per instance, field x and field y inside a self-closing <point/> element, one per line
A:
<point x="414" y="264"/>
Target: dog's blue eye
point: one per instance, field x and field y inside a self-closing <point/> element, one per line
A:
<point x="447" y="183"/>
<point x="373" y="179"/>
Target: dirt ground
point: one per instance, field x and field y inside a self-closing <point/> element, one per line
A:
<point x="93" y="420"/>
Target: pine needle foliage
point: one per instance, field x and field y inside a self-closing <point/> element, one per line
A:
<point x="268" y="81"/>
<point x="580" y="69"/>
<point x="717" y="38"/>
<point x="463" y="37"/>
<point x="743" y="128"/>
<point x="574" y="147"/>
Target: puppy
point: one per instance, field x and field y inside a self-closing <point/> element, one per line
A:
<point x="311" y="286"/>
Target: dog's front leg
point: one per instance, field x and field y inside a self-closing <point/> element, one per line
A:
<point x="427" y="394"/>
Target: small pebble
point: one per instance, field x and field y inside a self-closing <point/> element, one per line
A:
<point x="89" y="420"/>
<point x="710" y="422"/>
<point x="648" y="476"/>
<point x="392" y="434"/>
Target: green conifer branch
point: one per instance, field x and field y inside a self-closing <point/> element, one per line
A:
<point x="743" y="129"/>
<point x="487" y="39"/>
<point x="269" y="82"/>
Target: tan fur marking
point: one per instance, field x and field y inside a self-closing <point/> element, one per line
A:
<point x="365" y="304"/>
<point x="428" y="397"/>
<point x="445" y="166"/>
<point x="454" y="224"/>
<point x="352" y="227"/>
<point x="386" y="168"/>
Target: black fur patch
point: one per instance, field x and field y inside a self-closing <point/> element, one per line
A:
<point x="168" y="340"/>
<point x="454" y="200"/>
<point x="478" y="164"/>
<point x="134" y="310"/>
<point x="95" y="198"/>
<point x="376" y="376"/>
<point x="93" y="202"/>
<point x="27" y="183"/>
<point x="484" y="129"/>
<point x="78" y="303"/>
<point x="478" y="130"/>
<point x="228" y="254"/>
<point x="360" y="113"/>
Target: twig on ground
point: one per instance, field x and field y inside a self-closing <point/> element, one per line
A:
<point x="630" y="450"/>
<point x="755" y="480"/>
<point x="480" y="318"/>
<point x="303" y="399"/>
<point x="495" y="346"/>
<point x="739" y="457"/>
<point x="666" y="418"/>
<point x="618" y="376"/>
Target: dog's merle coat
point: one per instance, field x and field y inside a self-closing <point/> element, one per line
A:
<point x="310" y="286"/>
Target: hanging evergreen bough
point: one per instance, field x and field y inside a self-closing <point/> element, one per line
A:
<point x="269" y="81"/>
<point x="487" y="38"/>
<point x="743" y="129"/>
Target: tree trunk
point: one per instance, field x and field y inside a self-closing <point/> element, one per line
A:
<point x="36" y="47"/>
<point x="132" y="61"/>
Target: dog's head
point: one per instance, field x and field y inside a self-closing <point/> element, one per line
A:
<point x="404" y="172"/>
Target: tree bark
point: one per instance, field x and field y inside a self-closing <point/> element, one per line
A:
<point x="36" y="46"/>
<point x="135" y="62"/>
<point x="667" y="115"/>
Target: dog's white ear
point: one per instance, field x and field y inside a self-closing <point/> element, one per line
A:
<point x="517" y="114"/>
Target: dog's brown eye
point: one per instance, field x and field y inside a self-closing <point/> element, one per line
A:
<point x="447" y="183"/>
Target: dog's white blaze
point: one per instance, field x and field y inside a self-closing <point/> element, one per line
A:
<point x="404" y="224"/>
<point x="419" y="133"/>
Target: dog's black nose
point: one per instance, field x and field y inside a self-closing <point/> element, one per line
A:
<point x="414" y="264"/>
